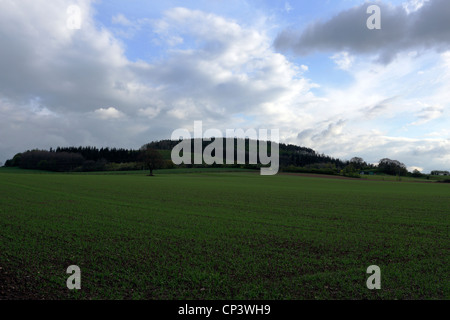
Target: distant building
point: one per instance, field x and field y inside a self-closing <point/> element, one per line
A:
<point x="440" y="173"/>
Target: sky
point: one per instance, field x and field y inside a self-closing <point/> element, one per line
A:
<point x="124" y="73"/>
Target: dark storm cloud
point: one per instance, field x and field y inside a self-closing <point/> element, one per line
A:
<point x="426" y="28"/>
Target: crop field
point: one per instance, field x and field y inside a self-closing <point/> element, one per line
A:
<point x="221" y="235"/>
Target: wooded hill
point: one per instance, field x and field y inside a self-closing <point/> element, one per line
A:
<point x="291" y="158"/>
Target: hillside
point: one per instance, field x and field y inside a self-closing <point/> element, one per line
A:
<point x="95" y="159"/>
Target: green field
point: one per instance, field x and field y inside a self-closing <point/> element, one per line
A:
<point x="221" y="235"/>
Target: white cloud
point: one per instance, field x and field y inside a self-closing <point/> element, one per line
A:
<point x="150" y="112"/>
<point x="121" y="20"/>
<point x="413" y="5"/>
<point x="74" y="73"/>
<point x="412" y="168"/>
<point x="370" y="116"/>
<point x="108" y="113"/>
<point x="428" y="113"/>
<point x="343" y="60"/>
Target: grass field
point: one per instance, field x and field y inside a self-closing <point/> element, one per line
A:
<point x="221" y="235"/>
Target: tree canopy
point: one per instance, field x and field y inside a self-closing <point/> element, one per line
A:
<point x="392" y="167"/>
<point x="152" y="158"/>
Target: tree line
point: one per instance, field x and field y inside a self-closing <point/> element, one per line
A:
<point x="156" y="155"/>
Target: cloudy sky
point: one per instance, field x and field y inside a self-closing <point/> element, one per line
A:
<point x="134" y="71"/>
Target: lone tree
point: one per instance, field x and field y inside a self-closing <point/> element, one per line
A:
<point x="152" y="158"/>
